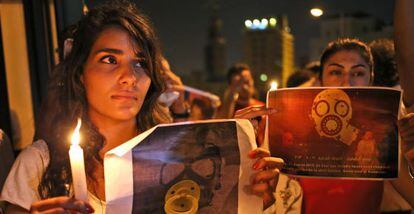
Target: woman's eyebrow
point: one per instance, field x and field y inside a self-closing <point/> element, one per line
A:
<point x="359" y="65"/>
<point x="109" y="50"/>
<point x="336" y="64"/>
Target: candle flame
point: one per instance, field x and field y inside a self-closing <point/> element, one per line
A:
<point x="76" y="134"/>
<point x="273" y="85"/>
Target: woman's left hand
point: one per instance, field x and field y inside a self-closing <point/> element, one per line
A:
<point x="265" y="180"/>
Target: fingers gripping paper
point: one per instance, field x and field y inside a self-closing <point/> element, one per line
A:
<point x="198" y="167"/>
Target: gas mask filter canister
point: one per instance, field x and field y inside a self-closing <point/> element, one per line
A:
<point x="182" y="198"/>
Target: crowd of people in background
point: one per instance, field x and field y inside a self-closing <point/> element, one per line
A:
<point x="124" y="54"/>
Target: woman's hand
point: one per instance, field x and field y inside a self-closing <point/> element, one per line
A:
<point x="254" y="114"/>
<point x="61" y="205"/>
<point x="174" y="83"/>
<point x="406" y="125"/>
<point x="265" y="180"/>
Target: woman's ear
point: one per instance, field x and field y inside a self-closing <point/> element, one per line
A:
<point x="81" y="79"/>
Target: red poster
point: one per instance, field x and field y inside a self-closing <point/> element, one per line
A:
<point x="336" y="132"/>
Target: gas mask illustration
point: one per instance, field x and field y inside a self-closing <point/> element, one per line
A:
<point x="332" y="112"/>
<point x="190" y="182"/>
<point x="182" y="197"/>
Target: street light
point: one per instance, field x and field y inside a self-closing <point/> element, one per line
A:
<point x="316" y="12"/>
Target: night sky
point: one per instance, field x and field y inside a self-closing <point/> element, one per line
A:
<point x="182" y="24"/>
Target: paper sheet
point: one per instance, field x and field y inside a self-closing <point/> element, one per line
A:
<point x="336" y="132"/>
<point x="214" y="154"/>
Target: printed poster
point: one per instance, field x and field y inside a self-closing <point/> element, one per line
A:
<point x="192" y="167"/>
<point x="336" y="132"/>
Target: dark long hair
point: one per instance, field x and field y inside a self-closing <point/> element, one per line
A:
<point x="66" y="100"/>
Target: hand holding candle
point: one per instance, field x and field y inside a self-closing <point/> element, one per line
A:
<point x="77" y="165"/>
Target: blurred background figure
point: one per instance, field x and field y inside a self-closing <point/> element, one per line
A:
<point x="201" y="109"/>
<point x="308" y="76"/>
<point x="385" y="66"/>
<point x="186" y="103"/>
<point x="240" y="91"/>
<point x="300" y="77"/>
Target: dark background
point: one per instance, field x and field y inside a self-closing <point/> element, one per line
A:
<point x="182" y="24"/>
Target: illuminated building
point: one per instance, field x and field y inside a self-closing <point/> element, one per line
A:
<point x="269" y="50"/>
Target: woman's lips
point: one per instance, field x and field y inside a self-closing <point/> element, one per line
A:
<point x="124" y="97"/>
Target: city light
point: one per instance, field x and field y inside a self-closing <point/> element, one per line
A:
<point x="256" y="23"/>
<point x="316" y="12"/>
<point x="263" y="77"/>
<point x="272" y="22"/>
<point x="260" y="24"/>
<point x="248" y="23"/>
<point x="263" y="24"/>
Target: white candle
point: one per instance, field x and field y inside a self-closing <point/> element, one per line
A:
<point x="273" y="87"/>
<point x="77" y="165"/>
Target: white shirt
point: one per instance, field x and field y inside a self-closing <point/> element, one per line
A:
<point x="23" y="180"/>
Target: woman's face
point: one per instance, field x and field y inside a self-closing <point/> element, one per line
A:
<point x="346" y="68"/>
<point x="114" y="77"/>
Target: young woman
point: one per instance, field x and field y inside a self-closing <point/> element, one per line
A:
<point x="345" y="62"/>
<point x="348" y="62"/>
<point x="111" y="79"/>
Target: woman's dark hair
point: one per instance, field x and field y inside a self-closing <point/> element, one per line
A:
<point x="347" y="44"/>
<point x="66" y="100"/>
<point x="385" y="65"/>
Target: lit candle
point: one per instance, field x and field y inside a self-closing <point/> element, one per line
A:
<point x="77" y="165"/>
<point x="273" y="87"/>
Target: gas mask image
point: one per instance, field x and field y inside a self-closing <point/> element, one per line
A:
<point x="190" y="182"/>
<point x="331" y="112"/>
<point x="182" y="197"/>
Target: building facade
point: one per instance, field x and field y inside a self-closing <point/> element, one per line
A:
<point x="268" y="48"/>
<point x="356" y="25"/>
<point x="215" y="50"/>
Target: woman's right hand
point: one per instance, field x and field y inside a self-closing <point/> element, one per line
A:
<point x="253" y="113"/>
<point x="61" y="204"/>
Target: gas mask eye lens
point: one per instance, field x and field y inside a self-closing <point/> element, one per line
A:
<point x="341" y="108"/>
<point x="321" y="108"/>
<point x="203" y="168"/>
<point x="171" y="171"/>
